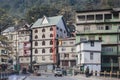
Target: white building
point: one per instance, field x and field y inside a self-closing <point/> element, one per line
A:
<point x="45" y="33"/>
<point x="89" y="55"/>
<point x="67" y="52"/>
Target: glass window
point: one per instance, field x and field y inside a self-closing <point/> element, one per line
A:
<point x="51" y="35"/>
<point x="99" y="17"/>
<point x="86" y="28"/>
<point x="43" y="36"/>
<point x="90" y="17"/>
<point x="81" y="18"/>
<point x="43" y="50"/>
<point x="51" y="42"/>
<point x="36" y="31"/>
<point x="36" y="43"/>
<point x="43" y="30"/>
<point x="92" y="43"/>
<point x="36" y="37"/>
<point x="116" y="15"/>
<point x="36" y="51"/>
<point x="91" y="56"/>
<point x="43" y="42"/>
<point x="108" y="16"/>
<point x="51" y="29"/>
<point x="51" y="50"/>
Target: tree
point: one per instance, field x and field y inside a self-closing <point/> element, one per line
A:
<point x="38" y="12"/>
<point x="5" y="20"/>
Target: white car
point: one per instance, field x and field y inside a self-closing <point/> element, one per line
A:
<point x="58" y="72"/>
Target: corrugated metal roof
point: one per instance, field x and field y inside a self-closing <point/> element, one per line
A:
<point x="51" y="21"/>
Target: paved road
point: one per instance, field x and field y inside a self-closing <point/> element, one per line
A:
<point x="49" y="76"/>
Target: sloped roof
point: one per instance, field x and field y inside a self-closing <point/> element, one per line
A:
<point x="50" y="21"/>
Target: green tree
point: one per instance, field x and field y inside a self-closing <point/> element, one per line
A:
<point x="38" y="12"/>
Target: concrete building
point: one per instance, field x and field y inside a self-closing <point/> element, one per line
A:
<point x="4" y="53"/>
<point x="101" y="25"/>
<point x="89" y="55"/>
<point x="12" y="36"/>
<point x="45" y="34"/>
<point x="24" y="47"/>
<point x="67" y="52"/>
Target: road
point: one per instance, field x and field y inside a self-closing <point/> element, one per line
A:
<point x="49" y="76"/>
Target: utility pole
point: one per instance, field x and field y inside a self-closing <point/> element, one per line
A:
<point x="31" y="63"/>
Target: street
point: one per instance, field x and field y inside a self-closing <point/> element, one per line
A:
<point x="50" y="76"/>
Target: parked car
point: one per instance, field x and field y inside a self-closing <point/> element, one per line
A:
<point x="58" y="72"/>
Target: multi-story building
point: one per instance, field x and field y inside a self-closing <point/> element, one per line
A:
<point x="24" y="47"/>
<point x="67" y="52"/>
<point x="12" y="36"/>
<point x="4" y="53"/>
<point x="89" y="55"/>
<point x="45" y="34"/>
<point x="101" y="25"/>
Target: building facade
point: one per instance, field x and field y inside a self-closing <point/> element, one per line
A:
<point x="12" y="35"/>
<point x="24" y="47"/>
<point x="45" y="34"/>
<point x="101" y="25"/>
<point x="89" y="55"/>
<point x="67" y="52"/>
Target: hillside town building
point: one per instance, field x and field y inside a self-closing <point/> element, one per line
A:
<point x="102" y="25"/>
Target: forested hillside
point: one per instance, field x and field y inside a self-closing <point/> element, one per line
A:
<point x="30" y="10"/>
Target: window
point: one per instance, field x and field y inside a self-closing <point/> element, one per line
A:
<point x="107" y="27"/>
<point x="64" y="31"/>
<point x="107" y="49"/>
<point x="81" y="18"/>
<point x="63" y="49"/>
<point x="43" y="42"/>
<point x="100" y="27"/>
<point x="91" y="56"/>
<point x="51" y="29"/>
<point x="51" y="50"/>
<point x="83" y="39"/>
<point x="66" y="55"/>
<point x="36" y="43"/>
<point x="100" y="38"/>
<point x="43" y="30"/>
<point x="108" y="16"/>
<point x="92" y="43"/>
<point x="51" y="35"/>
<point x="99" y="17"/>
<point x="61" y="30"/>
<point x="72" y="49"/>
<point x="43" y="50"/>
<point x="57" y="35"/>
<point x="43" y="58"/>
<point x="36" y="31"/>
<point x="90" y="17"/>
<point x="57" y="28"/>
<point x="36" y="51"/>
<point x="51" y="42"/>
<point x="91" y="37"/>
<point x="43" y="36"/>
<point x="86" y="28"/>
<point x="36" y="37"/>
<point x="116" y="15"/>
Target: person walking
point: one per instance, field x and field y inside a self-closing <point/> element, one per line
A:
<point x="87" y="72"/>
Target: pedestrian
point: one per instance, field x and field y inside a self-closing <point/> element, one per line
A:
<point x="87" y="72"/>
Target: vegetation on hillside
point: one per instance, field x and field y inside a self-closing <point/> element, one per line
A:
<point x="31" y="10"/>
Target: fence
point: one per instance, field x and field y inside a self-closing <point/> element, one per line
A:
<point x="105" y="74"/>
<point x="4" y="75"/>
